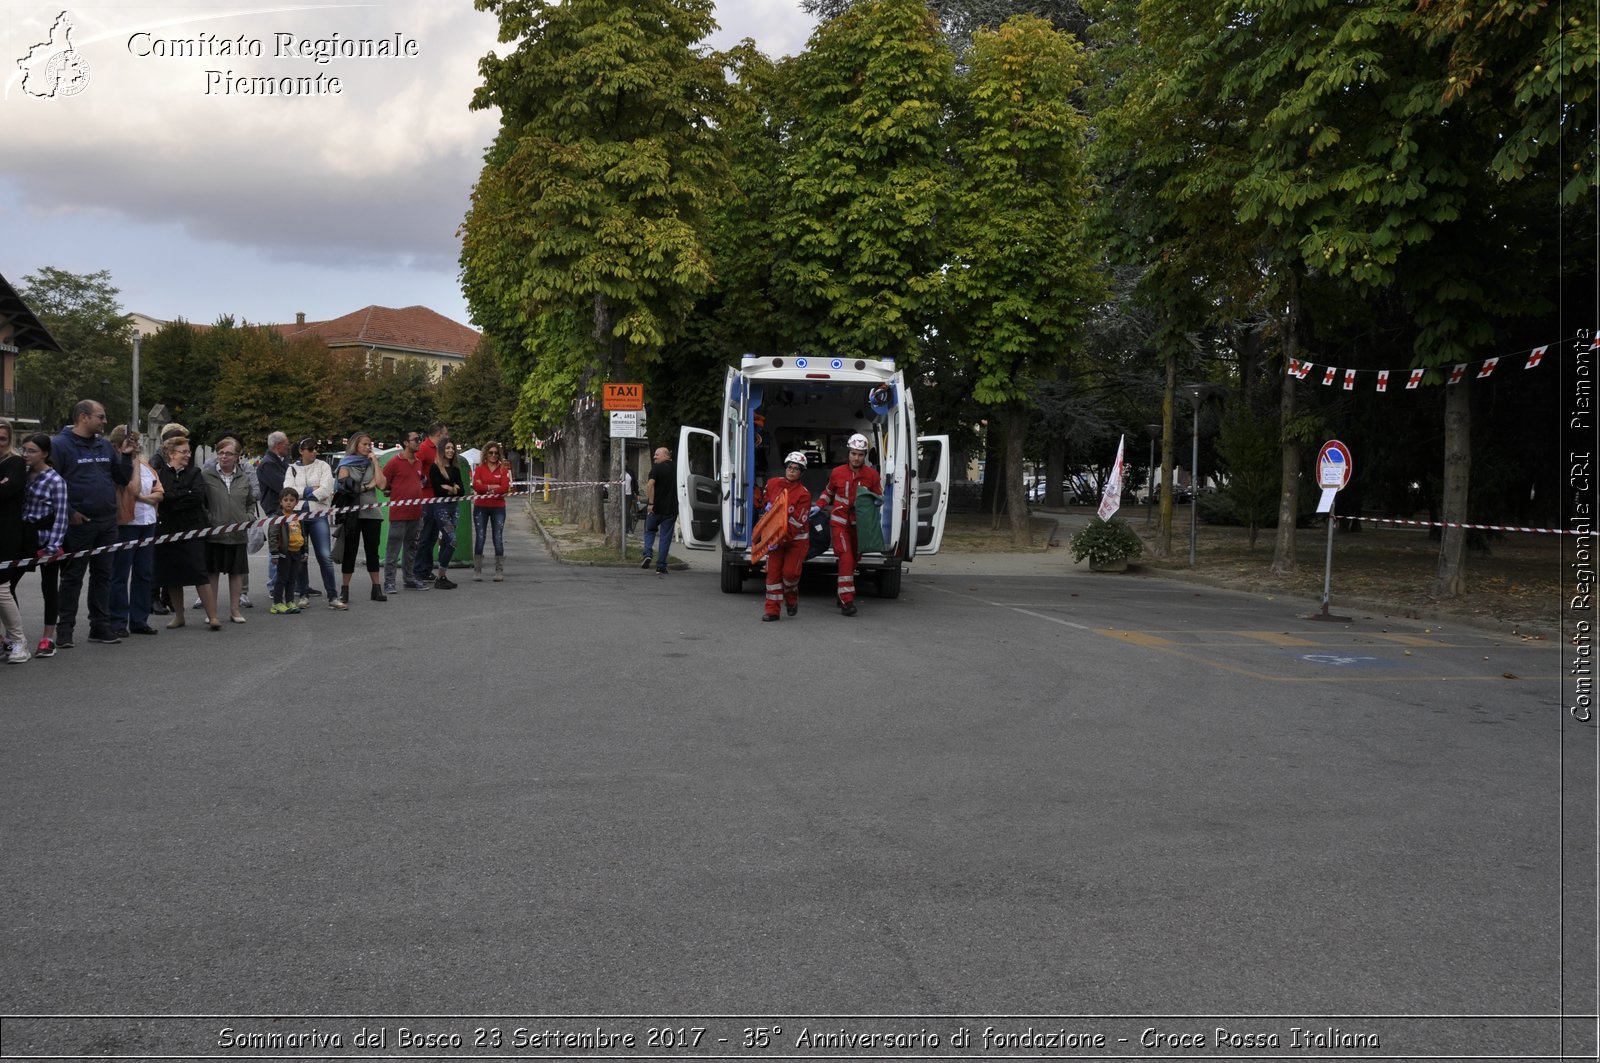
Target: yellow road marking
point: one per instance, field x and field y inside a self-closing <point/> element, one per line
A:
<point x="1139" y="638"/>
<point x="1278" y="638"/>
<point x="1404" y="640"/>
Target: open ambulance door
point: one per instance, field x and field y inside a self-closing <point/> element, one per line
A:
<point x="699" y="488"/>
<point x="933" y="491"/>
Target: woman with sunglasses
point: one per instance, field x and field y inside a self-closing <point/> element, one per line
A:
<point x="491" y="481"/>
<point x="360" y="476"/>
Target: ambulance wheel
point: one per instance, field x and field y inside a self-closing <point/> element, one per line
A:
<point x="889" y="581"/>
<point x="733" y="575"/>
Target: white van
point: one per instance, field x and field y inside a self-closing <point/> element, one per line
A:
<point x="772" y="406"/>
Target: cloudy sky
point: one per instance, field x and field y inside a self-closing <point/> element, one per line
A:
<point x="202" y="200"/>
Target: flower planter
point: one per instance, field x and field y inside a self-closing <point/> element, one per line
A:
<point x="1119" y="565"/>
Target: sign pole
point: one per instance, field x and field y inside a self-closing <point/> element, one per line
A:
<point x="1334" y="467"/>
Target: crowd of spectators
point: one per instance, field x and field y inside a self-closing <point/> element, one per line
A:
<point x="84" y="488"/>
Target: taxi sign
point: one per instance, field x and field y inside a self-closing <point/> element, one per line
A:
<point x="622" y="397"/>
<point x="1333" y="465"/>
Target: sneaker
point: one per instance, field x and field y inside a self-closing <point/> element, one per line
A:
<point x="63" y="639"/>
<point x="118" y="633"/>
<point x="388" y="588"/>
<point x="109" y="638"/>
<point x="443" y="583"/>
<point x="290" y="607"/>
<point x="278" y="608"/>
<point x="46" y="648"/>
<point x="303" y="603"/>
<point x="198" y="604"/>
<point x="646" y="562"/>
<point x="413" y="585"/>
<point x="311" y="593"/>
<point x="244" y="602"/>
<point x="337" y="603"/>
<point x="142" y="629"/>
<point x="378" y="595"/>
<point x="17" y="653"/>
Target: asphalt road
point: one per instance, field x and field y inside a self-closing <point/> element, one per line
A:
<point x="604" y="792"/>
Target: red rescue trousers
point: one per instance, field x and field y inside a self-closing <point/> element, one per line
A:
<point x="844" y="547"/>
<point x="783" y="575"/>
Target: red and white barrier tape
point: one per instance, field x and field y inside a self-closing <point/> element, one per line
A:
<point x="1472" y="527"/>
<point x="262" y="522"/>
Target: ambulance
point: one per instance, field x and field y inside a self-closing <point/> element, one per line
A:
<point x="774" y="405"/>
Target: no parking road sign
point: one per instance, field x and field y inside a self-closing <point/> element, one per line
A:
<point x="1333" y="473"/>
<point x="1333" y="465"/>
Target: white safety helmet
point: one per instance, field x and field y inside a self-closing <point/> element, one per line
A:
<point x="796" y="457"/>
<point x="858" y="442"/>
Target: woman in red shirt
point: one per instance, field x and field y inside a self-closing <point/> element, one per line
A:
<point x="492" y="479"/>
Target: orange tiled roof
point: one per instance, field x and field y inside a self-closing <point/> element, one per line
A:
<point x="411" y="328"/>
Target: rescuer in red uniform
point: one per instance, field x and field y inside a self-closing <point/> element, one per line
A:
<point x="840" y="495"/>
<point x="786" y="554"/>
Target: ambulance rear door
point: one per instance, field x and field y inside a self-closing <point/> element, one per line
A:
<point x="933" y="491"/>
<point x="699" y="488"/>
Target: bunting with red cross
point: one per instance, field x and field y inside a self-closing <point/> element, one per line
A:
<point x="1300" y="369"/>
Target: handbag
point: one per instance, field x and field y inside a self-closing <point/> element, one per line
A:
<point x="258" y="537"/>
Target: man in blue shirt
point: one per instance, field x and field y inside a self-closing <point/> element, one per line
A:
<point x="93" y="470"/>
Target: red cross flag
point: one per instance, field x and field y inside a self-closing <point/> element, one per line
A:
<point x="1458" y="372"/>
<point x="1111" y="496"/>
<point x="1416" y="378"/>
<point x="1536" y="357"/>
<point x="1328" y="377"/>
<point x="1488" y="367"/>
<point x="1383" y="380"/>
<point x="1349" y="379"/>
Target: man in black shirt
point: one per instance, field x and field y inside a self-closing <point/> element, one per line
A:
<point x="661" y="508"/>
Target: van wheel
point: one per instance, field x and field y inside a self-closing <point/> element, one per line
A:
<point x="889" y="581"/>
<point x="733" y="575"/>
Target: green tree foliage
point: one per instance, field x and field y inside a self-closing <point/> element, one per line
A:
<point x="96" y="360"/>
<point x="592" y="197"/>
<point x="1248" y="447"/>
<point x="963" y="18"/>
<point x="266" y="385"/>
<point x="1384" y="170"/>
<point x="1020" y="278"/>
<point x="398" y="398"/>
<point x="856" y="236"/>
<point x="477" y="400"/>
<point x="180" y="372"/>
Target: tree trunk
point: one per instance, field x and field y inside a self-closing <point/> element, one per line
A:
<point x="588" y="515"/>
<point x="1283" y="559"/>
<point x="1055" y="470"/>
<point x="1450" y="579"/>
<point x="1016" y="435"/>
<point x="1164" y="533"/>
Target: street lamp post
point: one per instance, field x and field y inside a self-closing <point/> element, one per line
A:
<point x="1197" y="394"/>
<point x="133" y="415"/>
<point x="1150" y="477"/>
